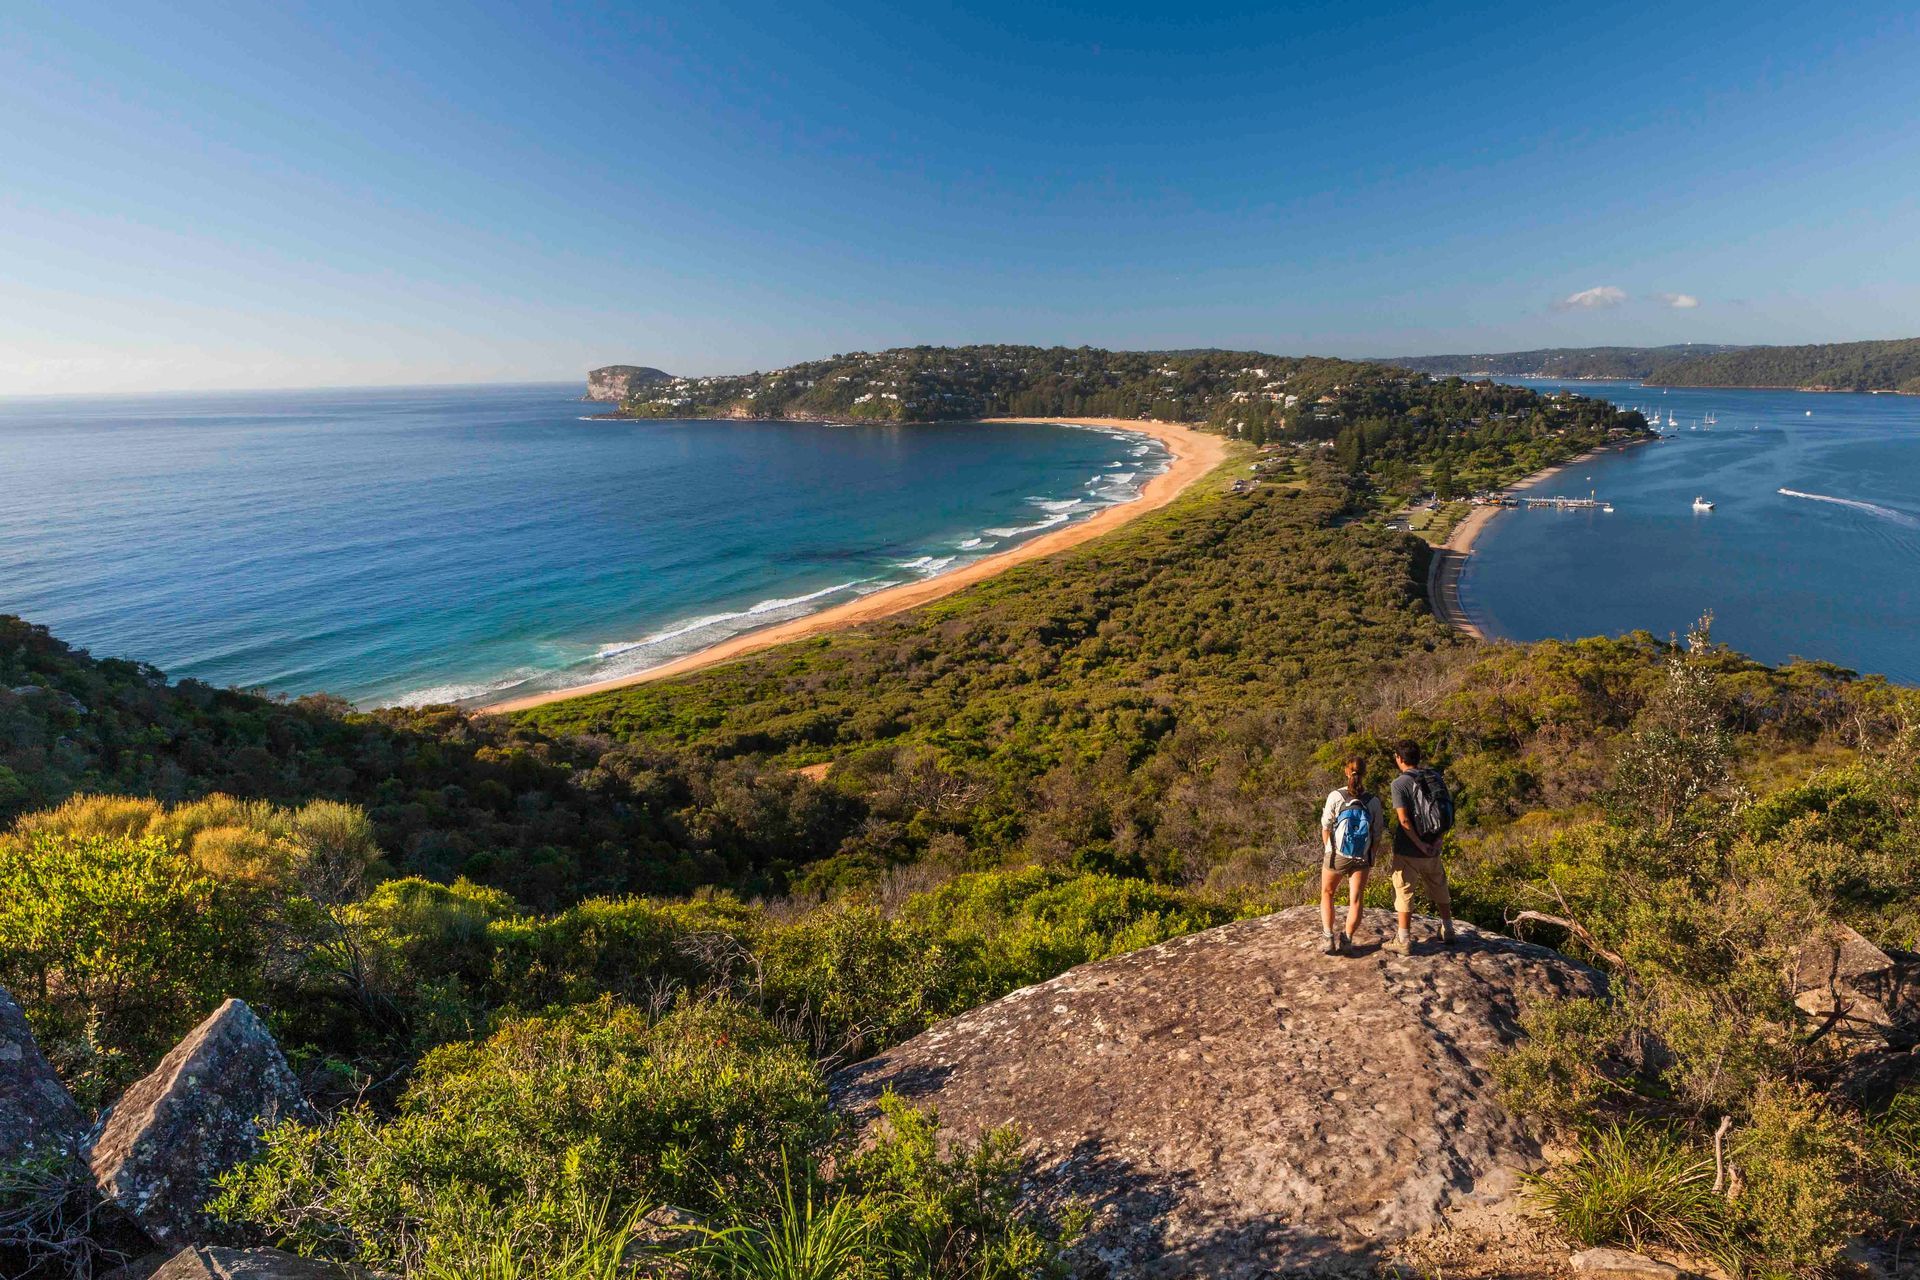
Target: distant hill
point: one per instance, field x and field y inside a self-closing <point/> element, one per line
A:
<point x="1564" y="362"/>
<point x="1842" y="366"/>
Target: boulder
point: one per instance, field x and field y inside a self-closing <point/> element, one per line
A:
<point x="249" y="1264"/>
<point x="1868" y="994"/>
<point x="200" y="1113"/>
<point x="1234" y="1103"/>
<point x="1619" y="1264"/>
<point x="37" y="1114"/>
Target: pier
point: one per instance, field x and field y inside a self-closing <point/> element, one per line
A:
<point x="1565" y="504"/>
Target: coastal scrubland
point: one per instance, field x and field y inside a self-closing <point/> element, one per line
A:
<point x="547" y="973"/>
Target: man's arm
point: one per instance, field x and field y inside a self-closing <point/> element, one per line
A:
<point x="1413" y="832"/>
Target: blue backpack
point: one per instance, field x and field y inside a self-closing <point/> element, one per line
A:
<point x="1353" y="830"/>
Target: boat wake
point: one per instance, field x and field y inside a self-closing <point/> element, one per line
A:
<point x="1885" y="513"/>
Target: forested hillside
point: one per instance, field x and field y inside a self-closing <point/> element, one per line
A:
<point x="1245" y="394"/>
<point x="517" y="1057"/>
<point x="927" y="383"/>
<point x="1840" y="366"/>
<point x="1562" y="362"/>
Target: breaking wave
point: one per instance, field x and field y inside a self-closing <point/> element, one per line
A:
<point x="1017" y="531"/>
<point x="715" y="619"/>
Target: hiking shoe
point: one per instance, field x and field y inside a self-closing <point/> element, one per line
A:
<point x="1330" y="944"/>
<point x="1400" y="945"/>
<point x="1447" y="936"/>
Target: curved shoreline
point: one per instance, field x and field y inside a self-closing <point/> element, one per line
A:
<point x="1449" y="562"/>
<point x="1194" y="454"/>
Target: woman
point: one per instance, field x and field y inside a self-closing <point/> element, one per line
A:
<point x="1351" y="825"/>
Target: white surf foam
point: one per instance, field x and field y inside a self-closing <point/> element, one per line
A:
<point x="971" y="543"/>
<point x="1055" y="504"/>
<point x="715" y="619"/>
<point x="1048" y="523"/>
<point x="475" y="691"/>
<point x="1885" y="513"/>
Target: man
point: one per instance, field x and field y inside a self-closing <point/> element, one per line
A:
<point x="1423" y="813"/>
<point x="1351" y="823"/>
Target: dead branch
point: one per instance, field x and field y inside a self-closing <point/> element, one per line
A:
<point x="1573" y="927"/>
<point x="1720" y="1154"/>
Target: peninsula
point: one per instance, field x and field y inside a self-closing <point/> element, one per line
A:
<point x="1840" y="366"/>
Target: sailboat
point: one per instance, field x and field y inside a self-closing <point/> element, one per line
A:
<point x="1671" y="420"/>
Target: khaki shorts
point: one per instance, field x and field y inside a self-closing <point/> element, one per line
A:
<point x="1429" y="875"/>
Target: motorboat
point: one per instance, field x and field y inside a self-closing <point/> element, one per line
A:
<point x="1701" y="504"/>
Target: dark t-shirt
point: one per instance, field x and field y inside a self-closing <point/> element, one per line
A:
<point x="1403" y="846"/>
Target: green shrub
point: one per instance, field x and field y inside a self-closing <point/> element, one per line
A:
<point x="1010" y="929"/>
<point x="1558" y="1073"/>
<point x="633" y="948"/>
<point x="954" y="1212"/>
<point x="854" y="980"/>
<point x="1892" y="1139"/>
<point x="1799" y="1199"/>
<point x="115" y="947"/>
<point x="514" y="1132"/>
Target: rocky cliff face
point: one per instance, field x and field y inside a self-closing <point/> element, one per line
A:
<point x="616" y="382"/>
<point x="1235" y="1104"/>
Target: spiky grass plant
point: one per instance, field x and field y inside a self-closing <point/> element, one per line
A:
<point x="1639" y="1185"/>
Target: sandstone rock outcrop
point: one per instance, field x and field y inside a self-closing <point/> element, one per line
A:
<point x="1620" y="1264"/>
<point x="1234" y="1103"/>
<point x="1866" y="993"/>
<point x="199" y="1113"/>
<point x="616" y="382"/>
<point x="37" y="1114"/>
<point x="249" y="1264"/>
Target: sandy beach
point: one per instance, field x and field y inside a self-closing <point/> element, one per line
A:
<point x="1450" y="558"/>
<point x="1195" y="453"/>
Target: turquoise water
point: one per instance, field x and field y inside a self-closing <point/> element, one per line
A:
<point x="476" y="542"/>
<point x="1830" y="571"/>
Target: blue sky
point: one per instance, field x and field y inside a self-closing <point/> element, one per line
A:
<point x="201" y="195"/>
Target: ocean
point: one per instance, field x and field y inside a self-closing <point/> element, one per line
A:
<point x="397" y="546"/>
<point x="1812" y="548"/>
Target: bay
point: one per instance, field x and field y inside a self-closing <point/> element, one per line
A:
<point x="464" y="543"/>
<point x="1827" y="571"/>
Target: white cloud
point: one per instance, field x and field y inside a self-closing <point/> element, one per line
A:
<point x="1679" y="301"/>
<point x="1604" y="295"/>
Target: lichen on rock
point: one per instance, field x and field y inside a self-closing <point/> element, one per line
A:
<point x="37" y="1114"/>
<point x="1235" y="1103"/>
<point x="198" y="1114"/>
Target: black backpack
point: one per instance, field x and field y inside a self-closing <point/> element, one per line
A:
<point x="1432" y="804"/>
